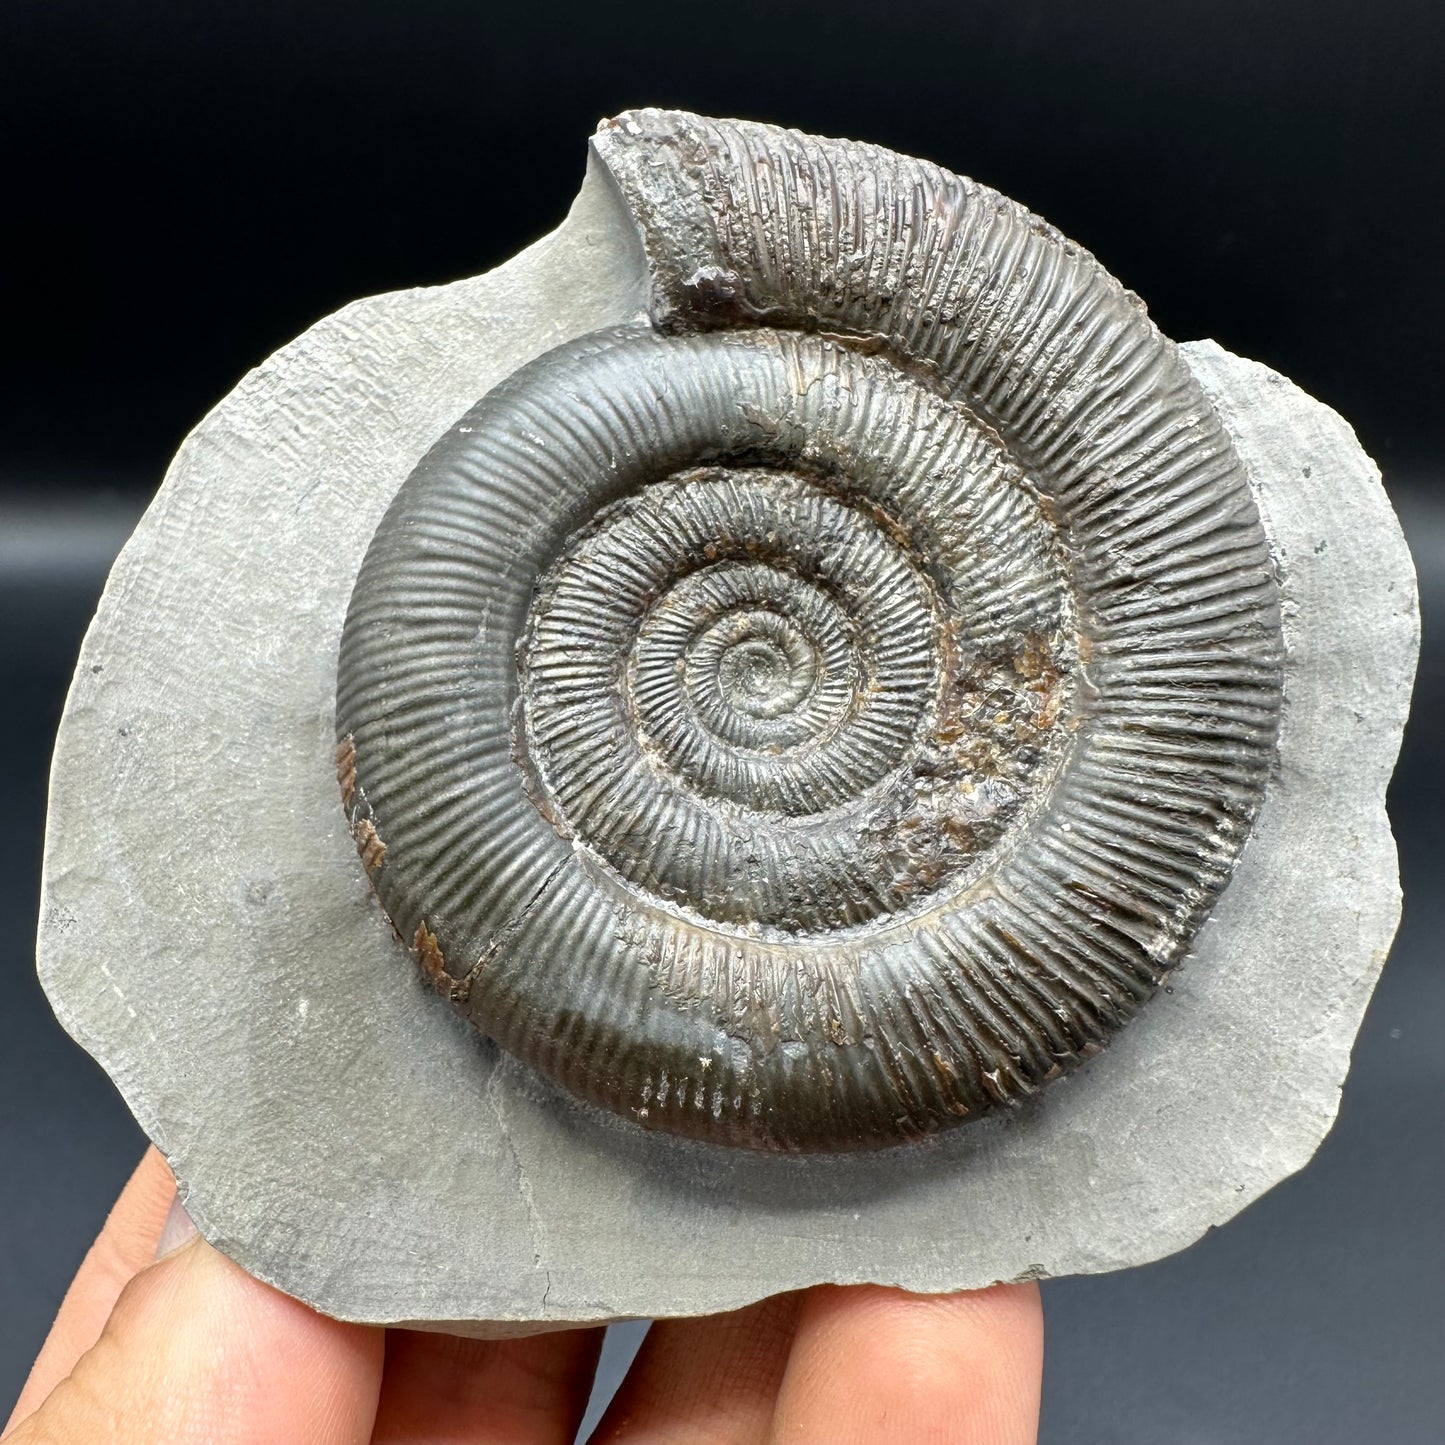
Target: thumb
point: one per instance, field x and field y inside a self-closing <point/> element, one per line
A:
<point x="196" y="1352"/>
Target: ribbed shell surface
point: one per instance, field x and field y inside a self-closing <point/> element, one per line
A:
<point x="826" y="713"/>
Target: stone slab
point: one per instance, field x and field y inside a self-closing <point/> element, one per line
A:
<point x="208" y="934"/>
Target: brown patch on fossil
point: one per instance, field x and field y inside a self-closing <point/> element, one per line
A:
<point x="346" y="770"/>
<point x="994" y="742"/>
<point x="997" y="708"/>
<point x="1035" y="659"/>
<point x="369" y="845"/>
<point x="429" y="957"/>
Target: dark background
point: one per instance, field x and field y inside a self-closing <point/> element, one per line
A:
<point x="186" y="187"/>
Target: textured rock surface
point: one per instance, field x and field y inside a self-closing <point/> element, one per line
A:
<point x="208" y="933"/>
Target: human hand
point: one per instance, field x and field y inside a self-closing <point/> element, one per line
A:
<point x="188" y="1349"/>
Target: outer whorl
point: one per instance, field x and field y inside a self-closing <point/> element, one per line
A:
<point x="823" y="713"/>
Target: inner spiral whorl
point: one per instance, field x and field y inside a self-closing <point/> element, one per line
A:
<point x="765" y="662"/>
<point x="722" y="675"/>
<point x="755" y="667"/>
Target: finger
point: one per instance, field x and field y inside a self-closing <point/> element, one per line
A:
<point x="708" y="1380"/>
<point x="125" y="1245"/>
<point x="196" y="1352"/>
<point x="442" y="1389"/>
<point x="883" y="1366"/>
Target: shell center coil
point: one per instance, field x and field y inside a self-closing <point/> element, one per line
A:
<point x="732" y="687"/>
<point x="762" y="674"/>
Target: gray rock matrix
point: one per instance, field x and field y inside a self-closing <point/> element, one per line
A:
<point x="208" y="933"/>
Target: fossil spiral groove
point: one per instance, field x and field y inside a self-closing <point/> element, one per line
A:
<point x="823" y="712"/>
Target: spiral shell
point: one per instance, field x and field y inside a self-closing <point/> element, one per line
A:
<point x="823" y="712"/>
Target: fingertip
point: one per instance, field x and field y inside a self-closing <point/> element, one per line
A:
<point x="703" y="1380"/>
<point x="878" y="1364"/>
<point x="198" y="1350"/>
<point x="125" y="1244"/>
<point x="441" y="1387"/>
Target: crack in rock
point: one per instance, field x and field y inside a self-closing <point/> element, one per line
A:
<point x="535" y="1231"/>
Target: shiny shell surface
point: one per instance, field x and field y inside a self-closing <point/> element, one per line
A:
<point x="823" y="710"/>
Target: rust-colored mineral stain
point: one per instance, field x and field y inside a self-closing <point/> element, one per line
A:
<point x="346" y="770"/>
<point x="369" y="845"/>
<point x="1035" y="659"/>
<point x="429" y="956"/>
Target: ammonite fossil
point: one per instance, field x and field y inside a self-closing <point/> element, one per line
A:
<point x="824" y="709"/>
<point x="842" y="664"/>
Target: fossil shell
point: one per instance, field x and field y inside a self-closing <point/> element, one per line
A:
<point x="825" y="709"/>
